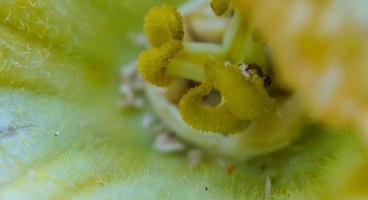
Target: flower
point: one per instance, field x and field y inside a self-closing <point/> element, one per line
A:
<point x="230" y="71"/>
<point x="61" y="135"/>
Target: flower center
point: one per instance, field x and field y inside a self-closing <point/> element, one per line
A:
<point x="235" y="68"/>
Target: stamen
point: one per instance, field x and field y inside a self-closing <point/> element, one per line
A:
<point x="242" y="99"/>
<point x="246" y="100"/>
<point x="207" y="118"/>
<point x="162" y="24"/>
<point x="239" y="42"/>
<point x="152" y="64"/>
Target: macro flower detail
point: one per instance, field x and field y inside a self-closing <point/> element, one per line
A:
<point x="222" y="71"/>
<point x="80" y="120"/>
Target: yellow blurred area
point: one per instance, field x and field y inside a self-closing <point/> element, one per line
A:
<point x="319" y="49"/>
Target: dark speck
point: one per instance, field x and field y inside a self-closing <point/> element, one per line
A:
<point x="263" y="167"/>
<point x="267" y="81"/>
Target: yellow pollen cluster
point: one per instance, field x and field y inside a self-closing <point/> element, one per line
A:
<point x="162" y="24"/>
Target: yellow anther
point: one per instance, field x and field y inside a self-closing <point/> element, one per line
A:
<point x="243" y="100"/>
<point x="152" y="64"/>
<point x="207" y="118"/>
<point x="162" y="24"/>
<point x="246" y="99"/>
<point x="220" y="7"/>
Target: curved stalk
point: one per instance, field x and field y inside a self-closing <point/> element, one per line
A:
<point x="239" y="43"/>
<point x="199" y="53"/>
<point x="184" y="69"/>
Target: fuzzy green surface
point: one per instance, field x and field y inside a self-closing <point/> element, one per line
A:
<point x="59" y="74"/>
